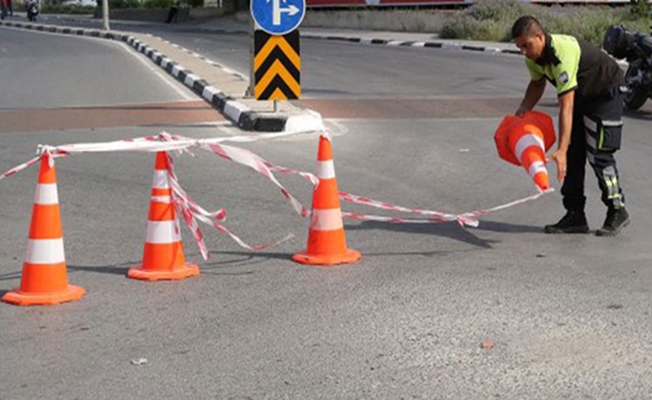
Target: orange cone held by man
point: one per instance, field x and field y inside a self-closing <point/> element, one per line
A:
<point x="326" y="238"/>
<point x="524" y="141"/>
<point x="44" y="280"/>
<point x="163" y="257"/>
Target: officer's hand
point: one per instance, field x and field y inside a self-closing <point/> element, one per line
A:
<point x="559" y="157"/>
<point x="520" y="111"/>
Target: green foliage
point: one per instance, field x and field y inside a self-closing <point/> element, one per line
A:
<point x="157" y="4"/>
<point x="119" y="4"/>
<point x="640" y="9"/>
<point x="195" y="3"/>
<point x="493" y="20"/>
<point x="58" y="9"/>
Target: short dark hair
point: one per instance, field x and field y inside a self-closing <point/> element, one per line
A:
<point x="526" y="25"/>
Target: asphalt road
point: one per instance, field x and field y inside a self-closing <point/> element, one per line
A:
<point x="337" y="70"/>
<point x="44" y="74"/>
<point x="569" y="316"/>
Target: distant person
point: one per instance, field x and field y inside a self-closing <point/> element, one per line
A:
<point x="587" y="82"/>
<point x="3" y="8"/>
<point x="173" y="15"/>
<point x="31" y="7"/>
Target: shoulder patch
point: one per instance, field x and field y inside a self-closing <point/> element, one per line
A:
<point x="563" y="77"/>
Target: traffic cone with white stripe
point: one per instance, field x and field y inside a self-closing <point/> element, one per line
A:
<point x="525" y="141"/>
<point x="163" y="257"/>
<point x="326" y="239"/>
<point x="44" y="280"/>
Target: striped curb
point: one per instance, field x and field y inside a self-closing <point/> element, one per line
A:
<point x="385" y="42"/>
<point x="243" y="116"/>
<point x="408" y="43"/>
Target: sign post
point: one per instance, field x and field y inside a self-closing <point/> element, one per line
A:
<point x="276" y="64"/>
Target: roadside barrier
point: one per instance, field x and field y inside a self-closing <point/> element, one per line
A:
<point x="44" y="280"/>
<point x="326" y="239"/>
<point x="163" y="255"/>
<point x="525" y="141"/>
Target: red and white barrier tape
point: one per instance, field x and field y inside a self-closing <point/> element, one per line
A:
<point x="251" y="160"/>
<point x="189" y="209"/>
<point x="434" y="216"/>
<point x="47" y="152"/>
<point x="192" y="212"/>
<point x="20" y="167"/>
<point x="464" y="219"/>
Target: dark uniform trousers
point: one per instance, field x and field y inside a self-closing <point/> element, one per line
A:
<point x="595" y="136"/>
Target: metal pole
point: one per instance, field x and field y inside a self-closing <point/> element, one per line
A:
<point x="252" y="77"/>
<point x="275" y="106"/>
<point x="105" y="15"/>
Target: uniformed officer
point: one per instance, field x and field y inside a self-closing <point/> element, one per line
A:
<point x="587" y="82"/>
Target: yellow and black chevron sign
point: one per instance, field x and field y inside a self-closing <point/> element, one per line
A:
<point x="277" y="66"/>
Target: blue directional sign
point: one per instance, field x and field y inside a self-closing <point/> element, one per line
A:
<point x="278" y="17"/>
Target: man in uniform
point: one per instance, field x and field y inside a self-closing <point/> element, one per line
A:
<point x="587" y="82"/>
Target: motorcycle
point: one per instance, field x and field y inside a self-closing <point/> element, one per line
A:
<point x="32" y="10"/>
<point x="636" y="47"/>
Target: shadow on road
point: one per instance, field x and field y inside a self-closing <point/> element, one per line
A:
<point x="241" y="258"/>
<point x="120" y="269"/>
<point x="449" y="230"/>
<point x="10" y="276"/>
<point x="493" y="226"/>
<point x="644" y="114"/>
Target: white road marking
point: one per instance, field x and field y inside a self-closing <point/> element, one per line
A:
<point x="147" y="62"/>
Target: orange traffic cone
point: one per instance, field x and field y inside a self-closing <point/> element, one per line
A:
<point x="163" y="256"/>
<point x="525" y="141"/>
<point x="44" y="280"/>
<point x="326" y="240"/>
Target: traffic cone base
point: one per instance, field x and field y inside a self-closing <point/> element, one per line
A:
<point x="349" y="257"/>
<point x="71" y="293"/>
<point x="184" y="271"/>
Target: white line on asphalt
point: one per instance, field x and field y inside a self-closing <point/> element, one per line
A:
<point x="335" y="127"/>
<point x="181" y="90"/>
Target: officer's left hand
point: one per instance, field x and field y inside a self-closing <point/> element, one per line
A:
<point x="559" y="157"/>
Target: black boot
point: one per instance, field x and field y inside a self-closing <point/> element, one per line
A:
<point x="572" y="222"/>
<point x="617" y="218"/>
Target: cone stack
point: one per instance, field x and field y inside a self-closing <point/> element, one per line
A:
<point x="524" y="141"/>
